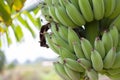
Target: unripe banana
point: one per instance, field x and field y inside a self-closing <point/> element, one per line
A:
<point x="86" y="47"/>
<point x="55" y="2"/>
<point x="78" y="50"/>
<point x="51" y="44"/>
<point x="61" y="3"/>
<point x="75" y="3"/>
<point x="86" y="10"/>
<point x="97" y="61"/>
<point x="113" y="71"/>
<point x="65" y="53"/>
<point x="117" y="61"/>
<point x="116" y="22"/>
<point x="74" y="14"/>
<point x="61" y="71"/>
<point x="51" y="10"/>
<point x="116" y="11"/>
<point x="115" y="77"/>
<point x="109" y="7"/>
<point x="98" y="9"/>
<point x="92" y="74"/>
<point x="72" y="37"/>
<point x="115" y="35"/>
<point x="73" y="64"/>
<point x="48" y="2"/>
<point x="99" y="46"/>
<point x="86" y="64"/>
<point x="107" y="38"/>
<point x="63" y="17"/>
<point x="63" y="31"/>
<point x="72" y="74"/>
<point x="110" y="58"/>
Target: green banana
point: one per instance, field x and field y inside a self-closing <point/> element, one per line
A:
<point x="115" y="35"/>
<point x="98" y="9"/>
<point x="99" y="46"/>
<point x="72" y="37"/>
<point x="50" y="43"/>
<point x="92" y="28"/>
<point x="59" y="68"/>
<point x="63" y="31"/>
<point x="78" y="50"/>
<point x="113" y="71"/>
<point x="115" y="77"/>
<point x="117" y="62"/>
<point x="75" y="3"/>
<point x="92" y="74"/>
<point x="116" y="11"/>
<point x="86" y="64"/>
<point x="73" y="64"/>
<point x="74" y="14"/>
<point x="107" y="38"/>
<point x="116" y="22"/>
<point x="48" y="2"/>
<point x="72" y="74"/>
<point x="65" y="53"/>
<point x="97" y="61"/>
<point x="63" y="17"/>
<point x="55" y="2"/>
<point x="109" y="7"/>
<point x="86" y="10"/>
<point x="110" y="58"/>
<point x="86" y="47"/>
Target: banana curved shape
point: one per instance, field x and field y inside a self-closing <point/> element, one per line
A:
<point x="116" y="22"/>
<point x="73" y="64"/>
<point x="97" y="61"/>
<point x="107" y="38"/>
<point x="115" y="35"/>
<point x="99" y="46"/>
<point x="86" y="64"/>
<point x="86" y="47"/>
<point x="75" y="3"/>
<point x="78" y="50"/>
<point x="98" y="9"/>
<point x="72" y="74"/>
<point x="110" y="58"/>
<point x="116" y="11"/>
<point x="65" y="53"/>
<point x="72" y="37"/>
<point x="63" y="17"/>
<point x="86" y="10"/>
<point x="109" y="7"/>
<point x="51" y="44"/>
<point x="92" y="74"/>
<point x="74" y="14"/>
<point x="51" y="10"/>
<point x="117" y="61"/>
<point x="63" y="31"/>
<point x="59" y="68"/>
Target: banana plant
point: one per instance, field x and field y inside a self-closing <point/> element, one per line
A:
<point x="13" y="17"/>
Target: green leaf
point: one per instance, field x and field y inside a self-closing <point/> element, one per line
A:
<point x="38" y="23"/>
<point x="10" y="3"/>
<point x="35" y="11"/>
<point x="9" y="41"/>
<point x="0" y="42"/>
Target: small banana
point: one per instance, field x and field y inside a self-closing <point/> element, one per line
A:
<point x="73" y="64"/>
<point x="74" y="14"/>
<point x="63" y="17"/>
<point x="65" y="53"/>
<point x="116" y="11"/>
<point x="116" y="22"/>
<point x="72" y="37"/>
<point x="86" y="47"/>
<point x="59" y="68"/>
<point x="92" y="74"/>
<point x="107" y="38"/>
<point x="115" y="77"/>
<point x="97" y="61"/>
<point x="98" y="9"/>
<point x="75" y="3"/>
<point x="78" y="50"/>
<point x="86" y="64"/>
<point x="115" y="35"/>
<point x="72" y="74"/>
<point x="99" y="46"/>
<point x="117" y="62"/>
<point x="109" y="7"/>
<point x="110" y="58"/>
<point x="113" y="71"/>
<point x="86" y="10"/>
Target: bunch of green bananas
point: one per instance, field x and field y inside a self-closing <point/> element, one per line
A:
<point x="85" y="35"/>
